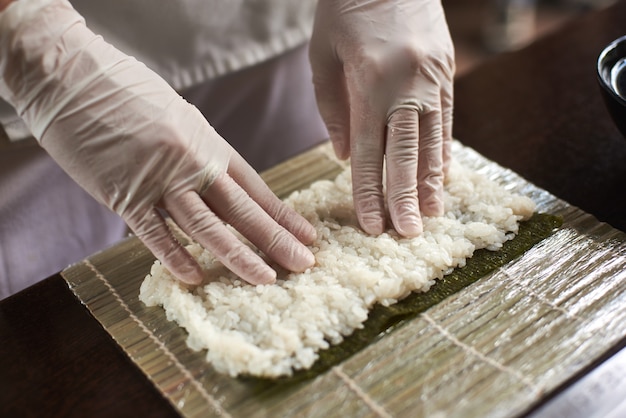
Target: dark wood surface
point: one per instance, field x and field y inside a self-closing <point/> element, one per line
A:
<point x="537" y="111"/>
<point x="56" y="360"/>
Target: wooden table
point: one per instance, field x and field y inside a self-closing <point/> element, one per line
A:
<point x="537" y="111"/>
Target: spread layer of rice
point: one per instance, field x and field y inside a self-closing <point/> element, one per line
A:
<point x="272" y="330"/>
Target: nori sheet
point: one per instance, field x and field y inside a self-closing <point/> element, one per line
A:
<point x="385" y="319"/>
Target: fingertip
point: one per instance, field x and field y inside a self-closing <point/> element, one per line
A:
<point x="295" y="224"/>
<point x="372" y="224"/>
<point x="341" y="148"/>
<point x="296" y="257"/>
<point x="370" y="213"/>
<point x="433" y="206"/>
<point x="409" y="225"/>
<point x="186" y="270"/>
<point x="264" y="275"/>
<point x="431" y="192"/>
<point x="433" y="210"/>
<point x="369" y="204"/>
<point x="306" y="234"/>
<point x="307" y="260"/>
<point x="251" y="268"/>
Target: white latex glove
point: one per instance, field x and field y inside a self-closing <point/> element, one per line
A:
<point x="383" y="73"/>
<point x="132" y="142"/>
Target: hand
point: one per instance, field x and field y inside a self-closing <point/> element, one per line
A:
<point x="383" y="73"/>
<point x="131" y="141"/>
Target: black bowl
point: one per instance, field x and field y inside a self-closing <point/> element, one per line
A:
<point x="612" y="79"/>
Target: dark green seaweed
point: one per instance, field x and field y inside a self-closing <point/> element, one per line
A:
<point x="385" y="319"/>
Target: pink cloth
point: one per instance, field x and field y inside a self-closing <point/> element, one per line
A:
<point x="47" y="222"/>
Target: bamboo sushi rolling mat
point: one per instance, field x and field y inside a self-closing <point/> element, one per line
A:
<point x="493" y="349"/>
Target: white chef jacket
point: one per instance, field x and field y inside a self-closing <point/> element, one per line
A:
<point x="188" y="42"/>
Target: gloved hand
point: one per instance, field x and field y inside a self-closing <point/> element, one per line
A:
<point x="383" y="73"/>
<point x="132" y="142"/>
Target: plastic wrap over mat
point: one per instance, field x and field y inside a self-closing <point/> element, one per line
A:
<point x="494" y="349"/>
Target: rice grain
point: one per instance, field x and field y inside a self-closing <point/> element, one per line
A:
<point x="272" y="330"/>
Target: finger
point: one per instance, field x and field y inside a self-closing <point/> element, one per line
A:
<point x="332" y="100"/>
<point x="194" y="217"/>
<point x="153" y="231"/>
<point x="367" y="154"/>
<point x="244" y="175"/>
<point x="430" y="164"/>
<point x="232" y="204"/>
<point x="447" y="104"/>
<point x="401" y="153"/>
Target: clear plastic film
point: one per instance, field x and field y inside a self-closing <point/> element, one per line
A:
<point x="493" y="349"/>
